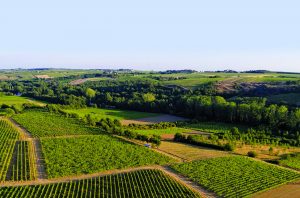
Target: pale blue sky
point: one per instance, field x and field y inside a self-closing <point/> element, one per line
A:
<point x="151" y="35"/>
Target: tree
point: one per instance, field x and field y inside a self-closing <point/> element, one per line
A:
<point x="90" y="93"/>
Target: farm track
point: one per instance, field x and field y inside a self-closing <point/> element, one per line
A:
<point x="37" y="148"/>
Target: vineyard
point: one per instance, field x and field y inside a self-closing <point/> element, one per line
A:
<point x="144" y="183"/>
<point x="22" y="166"/>
<point x="43" y="124"/>
<point x="214" y="127"/>
<point x="8" y="137"/>
<point x="172" y="130"/>
<point x="235" y="176"/>
<point x="90" y="154"/>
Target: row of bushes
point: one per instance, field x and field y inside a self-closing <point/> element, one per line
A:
<point x="161" y="125"/>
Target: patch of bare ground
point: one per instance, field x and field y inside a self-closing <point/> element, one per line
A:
<point x="290" y="190"/>
<point x="155" y="119"/>
<point x="227" y="85"/>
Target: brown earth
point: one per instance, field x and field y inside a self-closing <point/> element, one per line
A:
<point x="291" y="190"/>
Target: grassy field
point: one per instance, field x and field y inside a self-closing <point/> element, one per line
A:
<point x="143" y="183"/>
<point x="215" y="127"/>
<point x="90" y="154"/>
<point x="111" y="113"/>
<point x="8" y="137"/>
<point x="290" y="99"/>
<point x="18" y="101"/>
<point x="172" y="130"/>
<point x="190" y="152"/>
<point x="44" y="124"/>
<point x="235" y="176"/>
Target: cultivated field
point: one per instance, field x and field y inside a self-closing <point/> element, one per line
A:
<point x="214" y="127"/>
<point x="190" y="152"/>
<point x="111" y="113"/>
<point x="22" y="166"/>
<point x="44" y="124"/>
<point x="172" y="130"/>
<point x="8" y="137"/>
<point x="82" y="155"/>
<point x="235" y="176"/>
<point x="144" y="183"/>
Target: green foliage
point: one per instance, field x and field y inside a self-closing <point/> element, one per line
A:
<point x="90" y="93"/>
<point x="291" y="160"/>
<point x="44" y="124"/>
<point x="143" y="183"/>
<point x="213" y="127"/>
<point x="235" y="176"/>
<point x="90" y="154"/>
<point x="8" y="137"/>
<point x="229" y="147"/>
<point x="252" y="154"/>
<point x="21" y="169"/>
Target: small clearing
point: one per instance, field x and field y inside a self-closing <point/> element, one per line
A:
<point x="156" y="119"/>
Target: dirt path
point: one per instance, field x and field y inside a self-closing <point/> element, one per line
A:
<point x="37" y="148"/>
<point x="188" y="182"/>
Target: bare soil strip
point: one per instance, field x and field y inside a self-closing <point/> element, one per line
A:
<point x="37" y="148"/>
<point x="40" y="161"/>
<point x="155" y="119"/>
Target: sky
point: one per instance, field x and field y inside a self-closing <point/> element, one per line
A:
<point x="151" y="35"/>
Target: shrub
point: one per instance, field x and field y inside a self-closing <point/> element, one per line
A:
<point x="229" y="147"/>
<point x="252" y="154"/>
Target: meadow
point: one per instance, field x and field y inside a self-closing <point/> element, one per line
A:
<point x="18" y="101"/>
<point x="235" y="176"/>
<point x="8" y="137"/>
<point x="90" y="154"/>
<point x="44" y="124"/>
<point x="143" y="183"/>
<point x="110" y="113"/>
